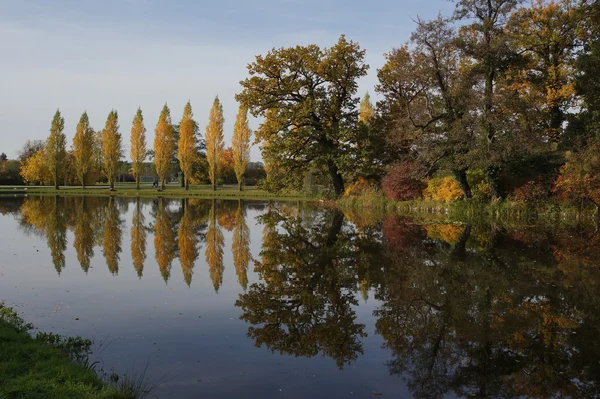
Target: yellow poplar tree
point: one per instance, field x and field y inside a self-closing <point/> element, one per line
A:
<point x="112" y="236"/>
<point x="241" y="145"/>
<point x="214" y="141"/>
<point x="111" y="147"/>
<point x="164" y="145"/>
<point x="366" y="109"/>
<point x="187" y="144"/>
<point x="83" y="148"/>
<point x="84" y="234"/>
<point x="138" y="146"/>
<point x="56" y="148"/>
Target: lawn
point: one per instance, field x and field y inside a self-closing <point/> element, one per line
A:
<point x="146" y="190"/>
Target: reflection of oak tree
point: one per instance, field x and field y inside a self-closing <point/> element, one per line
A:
<point x="84" y="233"/>
<point x="481" y="321"/>
<point x="138" y="238"/>
<point x="112" y="236"/>
<point x="215" y="243"/>
<point x="241" y="246"/>
<point x="56" y="234"/>
<point x="303" y="305"/>
<point x="188" y="241"/>
<point x="164" y="239"/>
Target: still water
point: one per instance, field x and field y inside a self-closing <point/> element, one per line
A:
<point x="236" y="299"/>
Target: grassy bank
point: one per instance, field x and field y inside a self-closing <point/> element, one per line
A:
<point x="471" y="211"/>
<point x="48" y="366"/>
<point x="146" y="190"/>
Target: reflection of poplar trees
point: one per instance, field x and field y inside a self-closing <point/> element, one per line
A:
<point x="84" y="233"/>
<point x="188" y="241"/>
<point x="138" y="239"/>
<point x="112" y="236"/>
<point x="56" y="234"/>
<point x="164" y="240"/>
<point x="241" y="246"/>
<point x="214" y="248"/>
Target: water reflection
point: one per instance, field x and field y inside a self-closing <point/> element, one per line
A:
<point x="473" y="311"/>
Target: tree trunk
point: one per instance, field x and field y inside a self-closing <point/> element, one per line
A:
<point x="491" y="175"/>
<point x="137" y="182"/>
<point x="112" y="184"/>
<point x="336" y="178"/>
<point x="183" y="184"/>
<point x="240" y="186"/>
<point x="214" y="187"/>
<point x="461" y="178"/>
<point x="162" y="184"/>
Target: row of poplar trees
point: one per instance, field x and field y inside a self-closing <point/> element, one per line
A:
<point x="183" y="143"/>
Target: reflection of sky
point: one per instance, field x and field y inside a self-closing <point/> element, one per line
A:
<point x="192" y="331"/>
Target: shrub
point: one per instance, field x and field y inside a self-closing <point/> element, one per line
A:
<point x="443" y="189"/>
<point x="359" y="187"/>
<point x="400" y="184"/>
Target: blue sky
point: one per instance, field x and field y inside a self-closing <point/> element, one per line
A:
<point x="93" y="55"/>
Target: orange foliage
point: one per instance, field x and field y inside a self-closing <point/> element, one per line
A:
<point x="443" y="189"/>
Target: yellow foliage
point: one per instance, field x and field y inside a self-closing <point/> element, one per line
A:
<point x="240" y="247"/>
<point x="359" y="187"/>
<point x="214" y="249"/>
<point x="35" y="169"/>
<point x="138" y="145"/>
<point x="188" y="243"/>
<point x="241" y="144"/>
<point x="214" y="140"/>
<point x="442" y="189"/>
<point x="444" y="232"/>
<point x="187" y="143"/>
<point x="164" y="145"/>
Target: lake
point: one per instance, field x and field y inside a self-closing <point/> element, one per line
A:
<point x="235" y="299"/>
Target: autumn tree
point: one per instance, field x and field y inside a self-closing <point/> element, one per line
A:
<point x="83" y="147"/>
<point x="164" y="145"/>
<point x="241" y="145"/>
<point x="35" y="169"/>
<point x="545" y="35"/>
<point x="111" y="147"/>
<point x="56" y="234"/>
<point x="55" y="149"/>
<point x="29" y="149"/>
<point x="187" y="146"/>
<point x="138" y="151"/>
<point x="426" y="102"/>
<point x="484" y="41"/>
<point x="214" y="141"/>
<point x="310" y="95"/>
<point x="579" y="177"/>
<point x="366" y="111"/>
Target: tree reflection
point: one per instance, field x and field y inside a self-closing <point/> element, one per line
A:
<point x="241" y="246"/>
<point x="478" y="315"/>
<point x="188" y="241"/>
<point x="56" y="234"/>
<point x="303" y="304"/>
<point x="85" y="231"/>
<point x="138" y="238"/>
<point x="164" y="239"/>
<point x="112" y="236"/>
<point x="215" y="242"/>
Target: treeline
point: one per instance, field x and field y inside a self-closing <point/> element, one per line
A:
<point x="178" y="149"/>
<point x="499" y="100"/>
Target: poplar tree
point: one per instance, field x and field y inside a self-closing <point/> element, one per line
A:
<point x="138" y="146"/>
<point x="83" y="148"/>
<point x="56" y="148"/>
<point x="111" y="147"/>
<point x="366" y="111"/>
<point x="187" y="152"/>
<point x="241" y="145"/>
<point x="164" y="145"/>
<point x="214" y="141"/>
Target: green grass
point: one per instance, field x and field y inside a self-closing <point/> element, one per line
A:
<point x="45" y="366"/>
<point x="146" y="190"/>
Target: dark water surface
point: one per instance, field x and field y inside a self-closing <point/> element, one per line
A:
<point x="247" y="299"/>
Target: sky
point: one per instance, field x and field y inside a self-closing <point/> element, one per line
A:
<point x="95" y="56"/>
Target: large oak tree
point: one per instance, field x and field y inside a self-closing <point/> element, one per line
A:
<point x="310" y="94"/>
